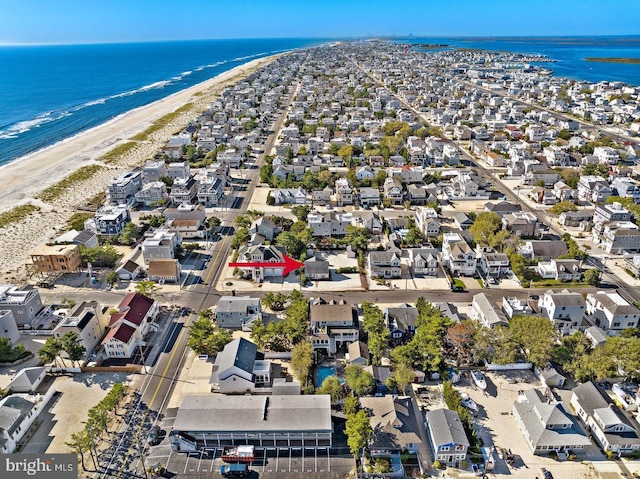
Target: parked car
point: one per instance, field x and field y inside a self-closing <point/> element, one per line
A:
<point x="154" y="436"/>
<point x="546" y="474"/>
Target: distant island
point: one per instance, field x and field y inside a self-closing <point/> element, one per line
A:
<point x="613" y="60"/>
<point x="430" y="45"/>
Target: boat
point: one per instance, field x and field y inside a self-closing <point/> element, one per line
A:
<point x="233" y="454"/>
<point x="467" y="402"/>
<point x="479" y="379"/>
<point x="454" y="376"/>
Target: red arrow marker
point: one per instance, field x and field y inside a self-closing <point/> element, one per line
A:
<point x="288" y="265"/>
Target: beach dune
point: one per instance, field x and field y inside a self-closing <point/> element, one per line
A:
<point x="24" y="178"/>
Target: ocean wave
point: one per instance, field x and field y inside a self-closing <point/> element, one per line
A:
<point x="15" y="129"/>
<point x="99" y="101"/>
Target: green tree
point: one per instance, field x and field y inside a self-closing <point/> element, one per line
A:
<point x="360" y="382"/>
<point x="111" y="278"/>
<point x="562" y="207"/>
<point x="486" y="224"/>
<point x="239" y="238"/>
<point x="72" y="345"/>
<point x="357" y="237"/>
<point x="378" y="334"/>
<point x="350" y="405"/>
<point x="301" y="212"/>
<point x="291" y="243"/>
<point x="80" y="443"/>
<point x="403" y="376"/>
<point x="331" y="386"/>
<point x="302" y="360"/>
<point x="592" y="276"/>
<point x="206" y="338"/>
<point x="535" y="335"/>
<point x="358" y="431"/>
<point x="130" y="233"/>
<point x="50" y="350"/>
<point x="147" y="288"/>
<point x="570" y="176"/>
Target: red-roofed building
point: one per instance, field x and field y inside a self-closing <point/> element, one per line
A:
<point x="133" y="320"/>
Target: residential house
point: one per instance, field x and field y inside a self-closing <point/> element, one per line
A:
<point x="160" y="243"/>
<point x="263" y="229"/>
<point x="447" y="438"/>
<point x="619" y="240"/>
<point x="424" y="261"/>
<point x="261" y="254"/>
<point x="368" y="196"/>
<point x="606" y="155"/>
<point x="502" y="208"/>
<point x="550" y="377"/>
<point x="394" y="423"/>
<point x="384" y="264"/>
<point x="154" y="193"/>
<point x="164" y="270"/>
<point x="560" y="269"/>
<point x="392" y="190"/>
<point x="240" y="368"/>
<point x="333" y="326"/>
<point x="289" y="196"/>
<point x="17" y="414"/>
<point x="546" y="425"/>
<point x="543" y="195"/>
<point x="563" y="192"/>
<point x="110" y="220"/>
<point x="521" y="223"/>
<point x="321" y="197"/>
<point x="329" y="224"/>
<point x="184" y="190"/>
<point x="27" y="380"/>
<point x="401" y="321"/>
<point x="211" y="190"/>
<point x="61" y="258"/>
<point x="612" y="212"/>
<point x="611" y="312"/>
<point x="129" y="270"/>
<point x="358" y="353"/>
<point x="417" y="194"/>
<point x="24" y="303"/>
<point x="122" y="190"/>
<point x="344" y="192"/>
<point x="535" y="177"/>
<point x="188" y="229"/>
<point x="462" y="221"/>
<point x="457" y="255"/>
<point x="494" y="264"/>
<point x="236" y="312"/>
<point x="153" y="171"/>
<point x="565" y="309"/>
<point x="593" y="188"/>
<point x="512" y="306"/>
<point x="186" y="212"/>
<point x="316" y="269"/>
<point x="626" y="188"/>
<point x="483" y="311"/>
<point x="88" y="320"/>
<point x="576" y="218"/>
<point x="179" y="169"/>
<point x="8" y="327"/>
<point x="133" y="319"/>
<point x="426" y="220"/>
<point x="608" y="425"/>
<point x="543" y="250"/>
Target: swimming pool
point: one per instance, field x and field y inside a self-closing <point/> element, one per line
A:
<point x="324" y="372"/>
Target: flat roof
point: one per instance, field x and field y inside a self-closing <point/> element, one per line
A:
<point x="221" y="413"/>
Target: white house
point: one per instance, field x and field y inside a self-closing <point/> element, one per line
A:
<point x="566" y="309"/>
<point x="458" y="255"/>
<point x="611" y="312"/>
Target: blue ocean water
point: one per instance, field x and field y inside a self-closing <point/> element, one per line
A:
<point x="569" y="53"/>
<point x="49" y="93"/>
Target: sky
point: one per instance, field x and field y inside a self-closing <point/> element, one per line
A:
<point x="109" y="21"/>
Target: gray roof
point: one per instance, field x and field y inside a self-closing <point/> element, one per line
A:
<point x="536" y="417"/>
<point x="328" y="313"/>
<point x="445" y="428"/>
<point x="26" y="380"/>
<point x="393" y="422"/>
<point x="358" y="349"/>
<point x="567" y="298"/>
<point x="234" y="304"/>
<point x="239" y="353"/>
<point x="404" y="316"/>
<point x="13" y="409"/>
<point x="261" y="414"/>
<point x="315" y="265"/>
<point x="492" y="315"/>
<point x="548" y="248"/>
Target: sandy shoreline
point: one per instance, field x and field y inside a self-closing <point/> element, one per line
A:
<point x="24" y="178"/>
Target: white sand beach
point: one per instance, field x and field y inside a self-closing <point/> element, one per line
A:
<point x="23" y="179"/>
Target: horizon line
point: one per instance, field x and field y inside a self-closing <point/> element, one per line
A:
<point x="335" y="38"/>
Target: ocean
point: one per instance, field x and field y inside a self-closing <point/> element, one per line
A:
<point x="49" y="93"/>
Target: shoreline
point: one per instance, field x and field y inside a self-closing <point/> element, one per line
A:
<point x="24" y="177"/>
<point x="629" y="61"/>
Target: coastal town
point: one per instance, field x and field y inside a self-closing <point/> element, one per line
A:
<point x="362" y="259"/>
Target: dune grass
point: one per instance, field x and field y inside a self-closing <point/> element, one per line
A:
<point x="162" y="122"/>
<point x="17" y="214"/>
<point x="118" y="151"/>
<point x="74" y="179"/>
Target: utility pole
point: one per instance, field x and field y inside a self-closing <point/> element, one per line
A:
<point x="144" y="366"/>
<point x="144" y="467"/>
